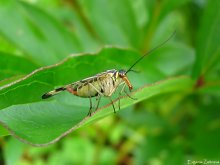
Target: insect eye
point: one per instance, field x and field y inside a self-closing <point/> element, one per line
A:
<point x="121" y="75"/>
<point x="122" y="72"/>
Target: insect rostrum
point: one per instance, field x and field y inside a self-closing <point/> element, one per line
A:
<point x="102" y="84"/>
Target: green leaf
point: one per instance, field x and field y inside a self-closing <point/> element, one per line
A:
<point x="37" y="33"/>
<point x="21" y="90"/>
<point x="78" y="25"/>
<point x="19" y="96"/>
<point x="182" y="59"/>
<point x="169" y="6"/>
<point x="13" y="151"/>
<point x="51" y="41"/>
<point x="14" y="66"/>
<point x="208" y="49"/>
<point x="3" y="131"/>
<point x="207" y="134"/>
<point x="31" y="87"/>
<point x="10" y="80"/>
<point x="211" y="89"/>
<point x="114" y="28"/>
<point x="75" y="143"/>
<point x="43" y="123"/>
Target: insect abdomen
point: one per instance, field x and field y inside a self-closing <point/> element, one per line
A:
<point x="88" y="90"/>
<point x="53" y="92"/>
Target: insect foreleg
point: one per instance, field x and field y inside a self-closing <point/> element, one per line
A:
<point x="123" y="89"/>
<point x="129" y="95"/>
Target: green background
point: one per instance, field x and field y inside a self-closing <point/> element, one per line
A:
<point x="175" y="118"/>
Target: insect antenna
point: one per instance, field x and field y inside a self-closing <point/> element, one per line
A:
<point x="150" y="51"/>
<point x="135" y="71"/>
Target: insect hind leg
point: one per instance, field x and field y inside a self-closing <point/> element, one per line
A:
<point x="90" y="106"/>
<point x="90" y="102"/>
<point x="99" y="94"/>
<point x="98" y="101"/>
<point x="112" y="104"/>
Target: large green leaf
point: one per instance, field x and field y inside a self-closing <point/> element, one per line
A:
<point x="31" y="87"/>
<point x="21" y="100"/>
<point x="43" y="123"/>
<point x="40" y="35"/>
<point x="74" y="68"/>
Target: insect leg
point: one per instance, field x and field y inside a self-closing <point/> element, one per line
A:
<point x="90" y="107"/>
<point x="90" y="101"/>
<point x="98" y="101"/>
<point x="129" y="95"/>
<point x="112" y="104"/>
<point x="119" y="99"/>
<point x="89" y="84"/>
<point x="99" y="95"/>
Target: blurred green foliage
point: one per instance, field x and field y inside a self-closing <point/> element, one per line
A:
<point x="175" y="121"/>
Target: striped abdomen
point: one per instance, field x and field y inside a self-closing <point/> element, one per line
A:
<point x="53" y="92"/>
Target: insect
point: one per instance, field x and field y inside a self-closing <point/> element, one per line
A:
<point x="102" y="84"/>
